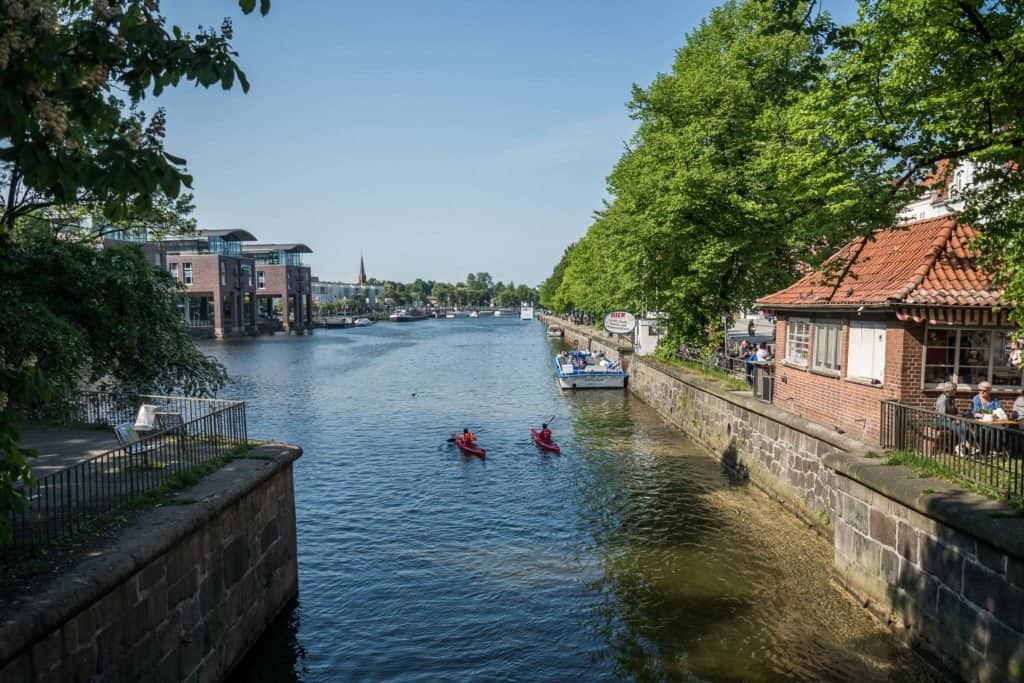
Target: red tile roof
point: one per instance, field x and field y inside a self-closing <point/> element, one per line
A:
<point x="925" y="263"/>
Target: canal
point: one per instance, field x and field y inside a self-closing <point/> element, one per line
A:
<point x="631" y="556"/>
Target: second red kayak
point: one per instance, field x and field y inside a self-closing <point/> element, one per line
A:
<point x="468" y="450"/>
<point x="542" y="444"/>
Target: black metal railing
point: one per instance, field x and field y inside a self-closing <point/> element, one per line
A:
<point x="193" y="432"/>
<point x="759" y="375"/>
<point x="989" y="454"/>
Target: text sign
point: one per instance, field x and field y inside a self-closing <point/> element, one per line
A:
<point x="620" y="322"/>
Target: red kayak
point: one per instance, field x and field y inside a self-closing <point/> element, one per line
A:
<point x="468" y="450"/>
<point x="542" y="444"/>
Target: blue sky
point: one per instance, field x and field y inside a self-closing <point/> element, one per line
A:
<point x="434" y="138"/>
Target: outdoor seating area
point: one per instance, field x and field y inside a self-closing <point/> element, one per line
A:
<point x="989" y="452"/>
<point x="105" y="449"/>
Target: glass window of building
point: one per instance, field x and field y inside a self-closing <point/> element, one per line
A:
<point x="825" y="353"/>
<point x="796" y="341"/>
<point x="186" y="271"/>
<point x="970" y="356"/>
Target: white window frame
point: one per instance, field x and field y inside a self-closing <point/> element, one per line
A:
<point x="223" y="274"/>
<point x="957" y="372"/>
<point x="261" y="279"/>
<point x="797" y="341"/>
<point x="186" y="274"/>
<point x="174" y="271"/>
<point x="825" y="333"/>
<point x="866" y="361"/>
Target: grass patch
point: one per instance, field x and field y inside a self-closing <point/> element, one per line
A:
<point x="933" y="469"/>
<point x="716" y="375"/>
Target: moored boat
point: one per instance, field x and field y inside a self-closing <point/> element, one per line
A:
<point x="586" y="370"/>
<point x="555" y="332"/>
<point x="468" y="450"/>
<point x="542" y="444"/>
<point x="526" y="311"/>
<point x="497" y="314"/>
<point x="474" y="314"/>
<point x="362" y="322"/>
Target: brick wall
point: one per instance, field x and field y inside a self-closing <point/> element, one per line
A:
<point x="188" y="589"/>
<point x="845" y="403"/>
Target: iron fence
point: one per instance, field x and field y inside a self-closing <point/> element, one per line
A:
<point x="65" y="502"/>
<point x="988" y="454"/>
<point x="759" y="375"/>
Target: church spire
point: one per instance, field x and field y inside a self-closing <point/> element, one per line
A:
<point x="362" y="271"/>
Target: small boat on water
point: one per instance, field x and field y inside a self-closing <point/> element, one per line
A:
<point x="403" y="316"/>
<point x="468" y="450"/>
<point x="555" y="332"/>
<point x="474" y="314"/>
<point x="497" y="314"/>
<point x="362" y="322"/>
<point x="542" y="444"/>
<point x="526" y="311"/>
<point x="586" y="370"/>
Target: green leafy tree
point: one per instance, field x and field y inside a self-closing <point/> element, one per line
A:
<point x="73" y="74"/>
<point x="701" y="221"/>
<point x="75" y="144"/>
<point x="916" y="88"/>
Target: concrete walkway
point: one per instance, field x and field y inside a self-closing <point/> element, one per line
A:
<point x="61" y="447"/>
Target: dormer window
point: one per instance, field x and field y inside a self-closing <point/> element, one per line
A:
<point x="956" y="185"/>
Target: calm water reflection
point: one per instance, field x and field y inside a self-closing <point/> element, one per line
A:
<point x="629" y="557"/>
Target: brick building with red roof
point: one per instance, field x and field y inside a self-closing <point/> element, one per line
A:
<point x="890" y="317"/>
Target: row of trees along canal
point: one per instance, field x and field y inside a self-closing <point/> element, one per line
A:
<point x="479" y="289"/>
<point x="779" y="135"/>
<point x="75" y="144"/>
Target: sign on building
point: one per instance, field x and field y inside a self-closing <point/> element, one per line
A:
<point x="620" y="322"/>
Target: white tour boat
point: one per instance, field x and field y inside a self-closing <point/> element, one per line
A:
<point x="526" y="312"/>
<point x="586" y="370"/>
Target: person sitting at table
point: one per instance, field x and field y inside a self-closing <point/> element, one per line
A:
<point x="1018" y="406"/>
<point x="984" y="401"/>
<point x="945" y="407"/>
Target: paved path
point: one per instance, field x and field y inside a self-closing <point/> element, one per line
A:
<point x="61" y="447"/>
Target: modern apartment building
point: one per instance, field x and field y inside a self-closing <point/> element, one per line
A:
<point x="219" y="297"/>
<point x="283" y="286"/>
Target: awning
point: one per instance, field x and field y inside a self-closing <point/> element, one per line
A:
<point x="968" y="317"/>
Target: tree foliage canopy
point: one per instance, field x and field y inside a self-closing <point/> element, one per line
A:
<point x="73" y="74"/>
<point x="777" y="136"/>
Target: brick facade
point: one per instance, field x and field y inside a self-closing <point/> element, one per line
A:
<point x="234" y="303"/>
<point x="851" y="404"/>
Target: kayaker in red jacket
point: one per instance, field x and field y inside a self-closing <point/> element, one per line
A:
<point x="468" y="438"/>
<point x="545" y="433"/>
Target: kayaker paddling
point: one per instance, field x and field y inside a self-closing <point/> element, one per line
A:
<point x="545" y="433"/>
<point x="468" y="438"/>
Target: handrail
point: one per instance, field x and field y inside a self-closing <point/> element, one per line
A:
<point x="989" y="455"/>
<point x="62" y="503"/>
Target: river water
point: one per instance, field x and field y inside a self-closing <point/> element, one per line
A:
<point x="630" y="556"/>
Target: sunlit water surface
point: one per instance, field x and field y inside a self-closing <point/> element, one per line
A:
<point x="630" y="556"/>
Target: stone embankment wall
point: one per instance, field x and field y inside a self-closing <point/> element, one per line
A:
<point x="181" y="595"/>
<point x="944" y="567"/>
